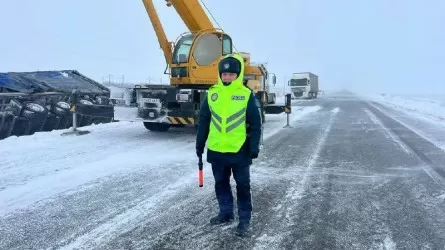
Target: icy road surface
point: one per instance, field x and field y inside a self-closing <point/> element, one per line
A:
<point x="349" y="174"/>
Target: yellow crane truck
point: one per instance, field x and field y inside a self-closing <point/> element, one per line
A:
<point x="192" y="63"/>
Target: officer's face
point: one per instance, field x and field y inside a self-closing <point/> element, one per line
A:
<point x="228" y="77"/>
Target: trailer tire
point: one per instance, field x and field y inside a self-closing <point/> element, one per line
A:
<point x="62" y="108"/>
<point x="32" y="110"/>
<point x="86" y="102"/>
<point x="157" y="127"/>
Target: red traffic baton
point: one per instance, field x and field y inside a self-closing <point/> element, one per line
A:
<point x="200" y="175"/>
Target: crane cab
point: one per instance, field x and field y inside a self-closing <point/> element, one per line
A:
<point x="196" y="56"/>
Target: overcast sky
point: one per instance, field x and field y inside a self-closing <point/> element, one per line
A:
<point x="368" y="45"/>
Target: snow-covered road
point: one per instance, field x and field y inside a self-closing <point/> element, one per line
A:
<point x="350" y="173"/>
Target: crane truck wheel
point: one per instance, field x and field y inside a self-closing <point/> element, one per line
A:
<point x="157" y="127"/>
<point x="263" y="116"/>
<point x="178" y="125"/>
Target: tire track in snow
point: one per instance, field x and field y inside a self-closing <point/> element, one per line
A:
<point x="355" y="212"/>
<point x="130" y="218"/>
<point x="295" y="193"/>
<point x="435" y="170"/>
<point x="288" y="206"/>
<point x="388" y="132"/>
<point x="426" y="205"/>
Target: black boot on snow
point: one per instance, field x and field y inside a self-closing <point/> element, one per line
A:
<point x="221" y="218"/>
<point x="242" y="229"/>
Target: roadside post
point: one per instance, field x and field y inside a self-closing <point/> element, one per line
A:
<point x="288" y="108"/>
<point x="73" y="102"/>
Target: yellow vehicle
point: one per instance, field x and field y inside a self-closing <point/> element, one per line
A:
<point x="192" y="63"/>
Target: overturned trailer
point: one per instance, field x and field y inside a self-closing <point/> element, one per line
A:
<point x="40" y="101"/>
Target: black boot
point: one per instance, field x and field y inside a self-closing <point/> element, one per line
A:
<point x="221" y="218"/>
<point x="242" y="229"/>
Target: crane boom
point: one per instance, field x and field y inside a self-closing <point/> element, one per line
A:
<point x="159" y="30"/>
<point x="192" y="13"/>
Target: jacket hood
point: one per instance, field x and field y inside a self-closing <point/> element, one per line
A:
<point x="239" y="80"/>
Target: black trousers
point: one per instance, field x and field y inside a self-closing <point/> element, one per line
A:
<point x="241" y="174"/>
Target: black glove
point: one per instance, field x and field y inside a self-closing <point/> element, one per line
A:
<point x="199" y="152"/>
<point x="253" y="155"/>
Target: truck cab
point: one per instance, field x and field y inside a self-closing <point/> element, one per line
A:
<point x="304" y="85"/>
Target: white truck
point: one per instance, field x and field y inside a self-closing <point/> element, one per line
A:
<point x="304" y="85"/>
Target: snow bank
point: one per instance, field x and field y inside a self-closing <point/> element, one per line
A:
<point x="434" y="107"/>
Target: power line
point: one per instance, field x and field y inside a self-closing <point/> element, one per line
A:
<point x="214" y="19"/>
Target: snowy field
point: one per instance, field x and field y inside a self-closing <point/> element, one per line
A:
<point x="432" y="107"/>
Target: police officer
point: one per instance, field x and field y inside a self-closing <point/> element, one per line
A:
<point x="230" y="123"/>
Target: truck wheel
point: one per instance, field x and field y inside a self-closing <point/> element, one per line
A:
<point x="86" y="102"/>
<point x="86" y="120"/>
<point x="263" y="115"/>
<point x="178" y="125"/>
<point x="62" y="108"/>
<point x="32" y="110"/>
<point x="157" y="127"/>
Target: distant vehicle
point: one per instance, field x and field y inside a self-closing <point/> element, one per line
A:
<point x="304" y="85"/>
